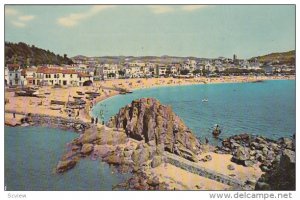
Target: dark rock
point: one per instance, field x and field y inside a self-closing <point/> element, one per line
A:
<point x="241" y="155"/>
<point x="281" y="174"/>
<point x="206" y="158"/>
<point x="262" y="186"/>
<point x="230" y="167"/>
<point x="146" y="119"/>
<point x="251" y="182"/>
<point x="286" y="143"/>
<point x="248" y="163"/>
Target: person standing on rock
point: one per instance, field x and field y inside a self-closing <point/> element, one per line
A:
<point x="96" y="121"/>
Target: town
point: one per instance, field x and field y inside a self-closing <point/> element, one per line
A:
<point x="85" y="70"/>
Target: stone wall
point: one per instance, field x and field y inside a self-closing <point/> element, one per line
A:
<point x="196" y="169"/>
<point x="56" y="122"/>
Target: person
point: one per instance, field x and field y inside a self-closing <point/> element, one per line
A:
<point x="206" y="140"/>
<point x="216" y="132"/>
<point x="14" y="115"/>
<point x="96" y="121"/>
<point x="92" y="120"/>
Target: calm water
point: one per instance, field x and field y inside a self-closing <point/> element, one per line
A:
<point x="32" y="153"/>
<point x="266" y="108"/>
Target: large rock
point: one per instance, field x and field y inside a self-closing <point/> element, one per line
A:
<point x="156" y="161"/>
<point x="65" y="165"/>
<point x="241" y="155"/>
<point x="146" y="119"/>
<point x="282" y="174"/>
<point x="86" y="149"/>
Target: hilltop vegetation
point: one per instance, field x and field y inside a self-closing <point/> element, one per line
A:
<point x="26" y="55"/>
<point x="279" y="58"/>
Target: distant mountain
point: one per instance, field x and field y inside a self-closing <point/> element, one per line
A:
<point x="121" y="59"/>
<point x="24" y="54"/>
<point x="278" y="58"/>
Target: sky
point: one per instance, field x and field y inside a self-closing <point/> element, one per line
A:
<point x="206" y="31"/>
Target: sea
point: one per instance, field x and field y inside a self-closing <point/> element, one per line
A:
<point x="32" y="153"/>
<point x="267" y="108"/>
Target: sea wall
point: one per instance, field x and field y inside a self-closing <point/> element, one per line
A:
<point x="76" y="125"/>
<point x="196" y="169"/>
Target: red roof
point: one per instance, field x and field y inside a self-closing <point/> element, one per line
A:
<point x="47" y="70"/>
<point x="83" y="74"/>
<point x="13" y="67"/>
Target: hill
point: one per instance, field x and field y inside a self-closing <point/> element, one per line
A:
<point x="278" y="58"/>
<point x="25" y="55"/>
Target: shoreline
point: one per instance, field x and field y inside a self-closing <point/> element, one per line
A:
<point x="188" y="84"/>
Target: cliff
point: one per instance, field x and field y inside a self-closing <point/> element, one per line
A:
<point x="148" y="120"/>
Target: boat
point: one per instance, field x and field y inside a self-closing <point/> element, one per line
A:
<point x="204" y="100"/>
<point x="217" y="131"/>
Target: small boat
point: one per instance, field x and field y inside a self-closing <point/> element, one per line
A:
<point x="217" y="131"/>
<point x="204" y="100"/>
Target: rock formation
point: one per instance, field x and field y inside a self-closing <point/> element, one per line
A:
<point x="276" y="158"/>
<point x="282" y="175"/>
<point x="148" y="120"/>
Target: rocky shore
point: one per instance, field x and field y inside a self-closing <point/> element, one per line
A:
<point x="26" y="119"/>
<point x="146" y="135"/>
<point x="276" y="158"/>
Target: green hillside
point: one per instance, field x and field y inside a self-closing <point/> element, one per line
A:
<point x="280" y="58"/>
<point x="26" y="55"/>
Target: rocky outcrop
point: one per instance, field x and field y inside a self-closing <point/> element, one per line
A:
<point x="52" y="121"/>
<point x="148" y="120"/>
<point x="65" y="165"/>
<point x="282" y="175"/>
<point x="143" y="181"/>
<point x="248" y="149"/>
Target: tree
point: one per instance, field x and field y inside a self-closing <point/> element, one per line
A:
<point x="184" y="71"/>
<point x="111" y="75"/>
<point x="197" y="71"/>
<point x="121" y="72"/>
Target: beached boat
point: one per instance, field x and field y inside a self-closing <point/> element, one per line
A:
<point x="204" y="100"/>
<point x="55" y="107"/>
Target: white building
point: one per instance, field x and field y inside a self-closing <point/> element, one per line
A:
<point x="60" y="76"/>
<point x="16" y="76"/>
<point x="133" y="71"/>
<point x="161" y="70"/>
<point x="108" y="71"/>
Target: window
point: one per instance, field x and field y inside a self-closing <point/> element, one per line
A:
<point x="54" y="75"/>
<point x="71" y="75"/>
<point x="57" y="75"/>
<point x="63" y="75"/>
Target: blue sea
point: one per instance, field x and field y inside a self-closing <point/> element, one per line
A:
<point x="32" y="153"/>
<point x="267" y="108"/>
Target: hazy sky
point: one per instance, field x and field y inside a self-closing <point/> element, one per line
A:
<point x="202" y="31"/>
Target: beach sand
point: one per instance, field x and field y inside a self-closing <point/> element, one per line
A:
<point x="180" y="179"/>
